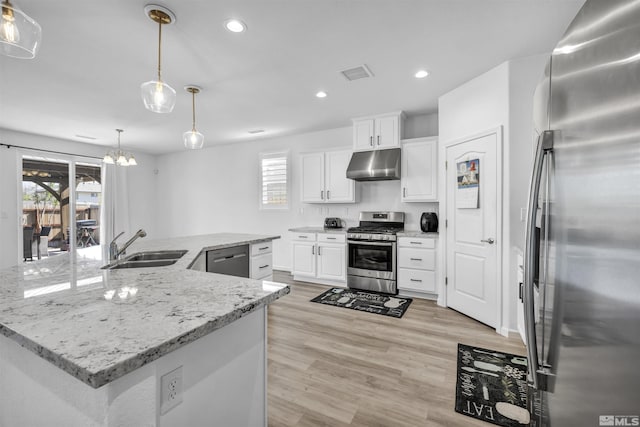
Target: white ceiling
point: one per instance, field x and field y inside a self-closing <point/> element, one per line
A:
<point x="94" y="56"/>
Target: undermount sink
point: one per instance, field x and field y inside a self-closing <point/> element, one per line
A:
<point x="155" y="255"/>
<point x="147" y="259"/>
<point x="139" y="264"/>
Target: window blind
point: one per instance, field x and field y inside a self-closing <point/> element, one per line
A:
<point x="274" y="181"/>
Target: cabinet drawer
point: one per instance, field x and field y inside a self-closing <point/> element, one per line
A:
<point x="424" y="259"/>
<point x="331" y="238"/>
<point x="261" y="248"/>
<point x="305" y="237"/>
<point x="417" y="280"/>
<point x="261" y="266"/>
<point x="416" y="242"/>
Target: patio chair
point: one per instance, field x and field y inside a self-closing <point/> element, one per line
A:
<point x="27" y="243"/>
<point x="43" y="246"/>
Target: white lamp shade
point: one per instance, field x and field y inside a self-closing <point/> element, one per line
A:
<point x="158" y="96"/>
<point x="108" y="159"/>
<point x="193" y="139"/>
<point x="132" y="161"/>
<point x="20" y="35"/>
<point x="122" y="160"/>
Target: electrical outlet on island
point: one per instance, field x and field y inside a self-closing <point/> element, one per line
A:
<point x="170" y="390"/>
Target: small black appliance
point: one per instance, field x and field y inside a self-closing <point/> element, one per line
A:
<point x="332" y="223"/>
<point x="429" y="222"/>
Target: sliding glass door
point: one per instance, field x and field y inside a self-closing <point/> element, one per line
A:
<point x="59" y="213"/>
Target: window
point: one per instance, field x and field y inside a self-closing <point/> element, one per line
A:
<point x="274" y="180"/>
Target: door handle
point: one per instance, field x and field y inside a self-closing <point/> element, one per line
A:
<point x="489" y="241"/>
<point x="544" y="147"/>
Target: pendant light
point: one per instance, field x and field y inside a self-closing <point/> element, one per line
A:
<point x="192" y="138"/>
<point x="20" y="35"/>
<point x="158" y="96"/>
<point x="118" y="156"/>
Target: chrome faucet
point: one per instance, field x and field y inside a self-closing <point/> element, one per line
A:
<point x="115" y="251"/>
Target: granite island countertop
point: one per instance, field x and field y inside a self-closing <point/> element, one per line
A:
<point x="99" y="325"/>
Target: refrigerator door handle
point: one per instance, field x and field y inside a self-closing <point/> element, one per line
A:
<point x="544" y="147"/>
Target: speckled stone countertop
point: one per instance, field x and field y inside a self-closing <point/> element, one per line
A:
<point x="318" y="230"/>
<point x="416" y="233"/>
<point x="99" y="325"/>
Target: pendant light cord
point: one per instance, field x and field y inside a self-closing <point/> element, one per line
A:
<point x="159" y="48"/>
<point x="193" y="109"/>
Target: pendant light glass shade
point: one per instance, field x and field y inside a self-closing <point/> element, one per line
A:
<point x="192" y="138"/>
<point x="20" y="35"/>
<point x="158" y="96"/>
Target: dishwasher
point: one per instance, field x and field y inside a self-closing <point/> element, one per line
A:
<point x="231" y="261"/>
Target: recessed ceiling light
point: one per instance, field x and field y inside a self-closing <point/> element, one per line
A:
<point x="421" y="74"/>
<point x="235" y="26"/>
<point x="321" y="94"/>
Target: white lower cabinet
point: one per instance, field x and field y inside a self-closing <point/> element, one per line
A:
<point x="417" y="264"/>
<point x="321" y="257"/>
<point x="261" y="261"/>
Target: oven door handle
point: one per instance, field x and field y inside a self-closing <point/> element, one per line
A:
<point x="368" y="243"/>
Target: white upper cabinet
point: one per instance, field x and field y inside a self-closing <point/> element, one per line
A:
<point x="312" y="177"/>
<point x="363" y="131"/>
<point x="339" y="189"/>
<point x="380" y="131"/>
<point x="419" y="170"/>
<point x="324" y="177"/>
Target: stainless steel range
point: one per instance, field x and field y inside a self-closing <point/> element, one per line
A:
<point x="372" y="251"/>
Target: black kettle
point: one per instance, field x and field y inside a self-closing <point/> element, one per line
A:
<point x="429" y="222"/>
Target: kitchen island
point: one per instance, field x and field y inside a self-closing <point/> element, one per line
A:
<point x="80" y="345"/>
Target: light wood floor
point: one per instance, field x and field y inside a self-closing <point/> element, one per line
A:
<point x="331" y="366"/>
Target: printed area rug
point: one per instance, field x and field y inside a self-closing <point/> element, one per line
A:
<point x="371" y="302"/>
<point x="492" y="386"/>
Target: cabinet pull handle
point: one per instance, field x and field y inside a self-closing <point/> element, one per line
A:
<point x="416" y="259"/>
<point x="318" y="250"/>
<point x="302" y="237"/>
<point x="313" y="250"/>
<point x="264" y="266"/>
<point x="416" y="280"/>
<point x="371" y="141"/>
<point x="416" y="243"/>
<point x="404" y="191"/>
<point x="266" y="247"/>
<point x="378" y="139"/>
<point x="331" y="238"/>
<point x="328" y="194"/>
<point x="322" y="194"/>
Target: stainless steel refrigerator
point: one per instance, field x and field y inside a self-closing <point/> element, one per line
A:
<point x="582" y="260"/>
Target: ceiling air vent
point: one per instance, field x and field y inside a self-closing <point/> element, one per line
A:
<point x="359" y="72"/>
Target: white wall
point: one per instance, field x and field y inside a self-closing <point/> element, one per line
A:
<point x="141" y="186"/>
<point x="503" y="97"/>
<point x="216" y="189"/>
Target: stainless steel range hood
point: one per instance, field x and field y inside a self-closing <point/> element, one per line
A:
<point x="377" y="165"/>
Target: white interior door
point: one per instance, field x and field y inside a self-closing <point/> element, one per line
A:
<point x="472" y="246"/>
